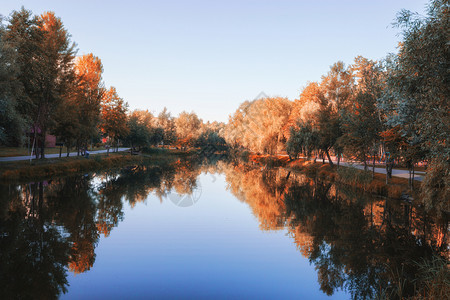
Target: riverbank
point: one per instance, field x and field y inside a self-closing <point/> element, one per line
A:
<point x="397" y="188"/>
<point x="50" y="167"/>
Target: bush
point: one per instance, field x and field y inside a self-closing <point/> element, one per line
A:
<point x="436" y="186"/>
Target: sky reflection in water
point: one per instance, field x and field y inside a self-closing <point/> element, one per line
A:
<point x="211" y="249"/>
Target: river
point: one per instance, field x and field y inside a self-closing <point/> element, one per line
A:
<point x="199" y="230"/>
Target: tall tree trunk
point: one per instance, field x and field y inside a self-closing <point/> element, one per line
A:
<point x="329" y="158"/>
<point x="44" y="133"/>
<point x="387" y="170"/>
<point x="410" y="179"/>
<point x="389" y="167"/>
<point x="37" y="147"/>
<point x="373" y="166"/>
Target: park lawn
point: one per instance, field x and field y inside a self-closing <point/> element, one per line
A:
<point x="20" y="151"/>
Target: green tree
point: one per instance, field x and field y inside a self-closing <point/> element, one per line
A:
<point x="336" y="90"/>
<point x="12" y="123"/>
<point x="68" y="127"/>
<point x="156" y="136"/>
<point x="302" y="139"/>
<point x="114" y="117"/>
<point x="361" y="122"/>
<point x="24" y="36"/>
<point x="419" y="87"/>
<point x="45" y="59"/>
<point x="167" y="123"/>
<point x="210" y="138"/>
<point x="361" y="127"/>
<point x="139" y="133"/>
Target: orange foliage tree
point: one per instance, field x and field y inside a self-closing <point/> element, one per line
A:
<point x="258" y="125"/>
<point x="113" y="116"/>
<point x="187" y="128"/>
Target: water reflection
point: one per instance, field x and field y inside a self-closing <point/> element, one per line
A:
<point x="368" y="247"/>
<point x="359" y="244"/>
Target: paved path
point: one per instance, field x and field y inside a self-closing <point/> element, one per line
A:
<point x="418" y="175"/>
<point x="16" y="158"/>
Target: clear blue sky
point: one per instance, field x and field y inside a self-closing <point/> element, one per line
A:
<point x="209" y="56"/>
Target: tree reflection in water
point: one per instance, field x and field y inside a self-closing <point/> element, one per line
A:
<point x="363" y="245"/>
<point x="33" y="250"/>
<point x="368" y="247"/>
<point x="47" y="228"/>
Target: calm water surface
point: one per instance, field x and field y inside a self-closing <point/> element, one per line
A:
<point x="206" y="231"/>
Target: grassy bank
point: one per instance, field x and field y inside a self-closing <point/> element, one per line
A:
<point x="358" y="179"/>
<point x="47" y="168"/>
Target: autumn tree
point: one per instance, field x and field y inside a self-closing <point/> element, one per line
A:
<point x="235" y="129"/>
<point x="113" y="116"/>
<point x="187" y="128"/>
<point x="89" y="94"/>
<point x="167" y="123"/>
<point x="304" y="108"/>
<point x="258" y="125"/>
<point x="78" y="118"/>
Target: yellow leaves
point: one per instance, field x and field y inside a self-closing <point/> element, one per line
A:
<point x="258" y="125"/>
<point x="89" y="70"/>
<point x="49" y="21"/>
<point x="187" y="125"/>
